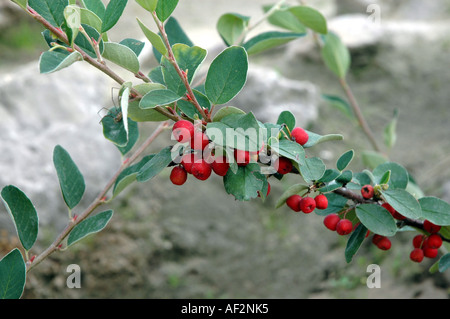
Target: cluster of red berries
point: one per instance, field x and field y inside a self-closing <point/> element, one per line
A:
<point x="307" y="204"/>
<point x="426" y="245"/>
<point x="194" y="163"/>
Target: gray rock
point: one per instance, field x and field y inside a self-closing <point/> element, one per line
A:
<point x="37" y="112"/>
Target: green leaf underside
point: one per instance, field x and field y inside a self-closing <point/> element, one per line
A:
<point x="114" y="129"/>
<point x="231" y="26"/>
<point x="315" y="138"/>
<point x="122" y="56"/>
<point x="90" y="18"/>
<point x="153" y="37"/>
<point x="90" y="225"/>
<point x="113" y="12"/>
<point x="227" y="75"/>
<point x="435" y="210"/>
<point x="52" y="61"/>
<point x="12" y="275"/>
<point x="403" y="202"/>
<point x="245" y="183"/>
<point x="153" y="167"/>
<point x="148" y="115"/>
<point x="335" y="55"/>
<point x="269" y="40"/>
<point x="70" y="178"/>
<point x="377" y="219"/>
<point x="23" y="214"/>
<point x="128" y="175"/>
<point x="50" y="10"/>
<point x="156" y="98"/>
<point x="354" y="242"/>
<point x="225" y="111"/>
<point x="292" y="190"/>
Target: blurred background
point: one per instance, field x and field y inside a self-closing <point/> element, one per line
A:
<point x="196" y="241"/>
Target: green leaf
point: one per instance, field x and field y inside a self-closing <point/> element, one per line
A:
<point x="435" y="210"/>
<point x="340" y="104"/>
<point x="155" y="165"/>
<point x="288" y="119"/>
<point x="90" y="225"/>
<point x="72" y="15"/>
<point x="23" y="214"/>
<point x="86" y="45"/>
<point x="12" y="275"/>
<point x="156" y="98"/>
<point x="114" y="129"/>
<point x="330" y="175"/>
<point x="245" y="183"/>
<point x="389" y="133"/>
<point x="399" y="176"/>
<point x="189" y="109"/>
<point x="313" y="169"/>
<point x="372" y="159"/>
<point x="149" y="5"/>
<point x="315" y="138"/>
<point x="385" y="178"/>
<point x="50" y="10"/>
<point x="52" y="61"/>
<point x="21" y="3"/>
<point x="444" y="262"/>
<point x="336" y="55"/>
<point x="292" y="190"/>
<point x="225" y="111"/>
<point x="354" y="242"/>
<point x="122" y="56"/>
<point x="137" y="114"/>
<point x="175" y="34"/>
<point x="153" y="37"/>
<point x="377" y="219"/>
<point x="344" y="160"/>
<point x="289" y="149"/>
<point x="135" y="45"/>
<point x="231" y="26"/>
<point x="335" y="204"/>
<point x="239" y="131"/>
<point x="156" y="75"/>
<point x="226" y="75"/>
<point x="345" y="177"/>
<point x="269" y="40"/>
<point x="95" y="6"/>
<point x="164" y="9"/>
<point x="128" y="175"/>
<point x="285" y="19"/>
<point x="113" y="12"/>
<point x="70" y="178"/>
<point x="311" y="18"/>
<point x="189" y="58"/>
<point x="90" y="18"/>
<point x="403" y="202"/>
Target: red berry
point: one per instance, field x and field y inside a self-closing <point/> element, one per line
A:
<point x="321" y="201"/>
<point x="330" y="221"/>
<point x="294" y="202"/>
<point x="178" y="175"/>
<point x="389" y="208"/>
<point x="430" y="252"/>
<point x="416" y="255"/>
<point x="300" y="135"/>
<point x="430" y="227"/>
<point x="242" y="157"/>
<point x="220" y="166"/>
<point x="268" y="190"/>
<point x="418" y="241"/>
<point x="307" y="204"/>
<point x="187" y="160"/>
<point x="199" y="141"/>
<point x="344" y="227"/>
<point x="367" y="191"/>
<point x="382" y="242"/>
<point x="201" y="170"/>
<point x="283" y="165"/>
<point x="376" y="239"/>
<point x="434" y="241"/>
<point x="183" y="131"/>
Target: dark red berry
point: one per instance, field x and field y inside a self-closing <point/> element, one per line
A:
<point x="321" y="201"/>
<point x="344" y="227"/>
<point x="367" y="191"/>
<point x="294" y="202"/>
<point x="376" y="239"/>
<point x="330" y="221"/>
<point x="382" y="242"/>
<point x="220" y="166"/>
<point x="299" y="135"/>
<point x="434" y="241"/>
<point x="307" y="204"/>
<point x="430" y="227"/>
<point x="283" y="165"/>
<point x="416" y="255"/>
<point x="183" y="131"/>
<point x="201" y="170"/>
<point x="430" y="252"/>
<point x="178" y="175"/>
<point x="418" y="241"/>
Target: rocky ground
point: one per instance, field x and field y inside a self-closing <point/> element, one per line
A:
<point x="172" y="242"/>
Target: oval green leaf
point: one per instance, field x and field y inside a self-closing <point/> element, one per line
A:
<point x="231" y="26"/>
<point x="403" y="202"/>
<point x="435" y="210"/>
<point x="354" y="242"/>
<point x="312" y="169"/>
<point x="149" y="5"/>
<point x="164" y="9"/>
<point x="90" y="225"/>
<point x="23" y="214"/>
<point x="344" y="160"/>
<point x="269" y="40"/>
<point x="52" y="61"/>
<point x="95" y="6"/>
<point x="156" y="98"/>
<point x="113" y="12"/>
<point x="245" y="183"/>
<point x="155" y="165"/>
<point x="376" y="219"/>
<point x="225" y="111"/>
<point x="12" y="275"/>
<point x="50" y="10"/>
<point x="226" y="75"/>
<point x="153" y="37"/>
<point x="122" y="56"/>
<point x="444" y="262"/>
<point x="398" y="177"/>
<point x="336" y="55"/>
<point x="311" y="18"/>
